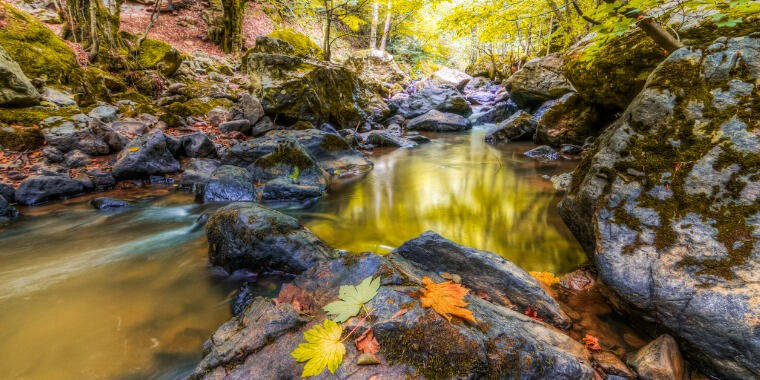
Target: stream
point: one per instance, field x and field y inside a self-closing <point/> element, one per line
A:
<point x="129" y="294"/>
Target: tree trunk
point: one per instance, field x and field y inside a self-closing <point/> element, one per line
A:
<point x="231" y="38"/>
<point x="96" y="26"/>
<point x="387" y="27"/>
<point x="373" y="30"/>
<point x="326" y="44"/>
<point x="660" y="36"/>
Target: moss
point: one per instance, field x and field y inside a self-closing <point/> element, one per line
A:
<point x="197" y="107"/>
<point x="34" y="115"/>
<point x="287" y="154"/>
<point x="304" y="46"/>
<point x="95" y="84"/>
<point x="434" y="346"/>
<point x="154" y="54"/>
<point x="39" y="52"/>
<point x="20" y="138"/>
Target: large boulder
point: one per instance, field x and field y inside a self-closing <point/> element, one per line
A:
<point x="567" y="120"/>
<point x="75" y="134"/>
<point x="378" y="70"/>
<point x="42" y="188"/>
<point x="498" y="112"/>
<point x="118" y="134"/>
<point x="252" y="237"/>
<point x="520" y="126"/>
<point x="414" y="341"/>
<point x="444" y="99"/>
<point x="289" y="173"/>
<point x="451" y="77"/>
<point x="539" y="80"/>
<point x="666" y="204"/>
<point x="227" y="183"/>
<point x="438" y="121"/>
<point x="145" y="156"/>
<point x="486" y="272"/>
<point x="16" y="90"/>
<point x="155" y="54"/>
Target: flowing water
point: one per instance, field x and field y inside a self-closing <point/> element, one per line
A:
<point x="129" y="294"/>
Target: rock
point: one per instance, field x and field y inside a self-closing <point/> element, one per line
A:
<point x="486" y="272"/>
<point x="379" y="70"/>
<point x="451" y="77"/>
<point x="242" y="126"/>
<point x="263" y="126"/>
<point x="543" y="152"/>
<point x="145" y="156"/>
<point x="19" y="138"/>
<point x="196" y="172"/>
<point x="418" y="343"/>
<point x="289" y="173"/>
<point x="217" y="116"/>
<point x="228" y="184"/>
<point x="519" y="126"/>
<point x="118" y="134"/>
<point x="270" y="45"/>
<point x="7" y="191"/>
<point x="498" y="113"/>
<point x="6" y="210"/>
<point x="68" y="136"/>
<point x="302" y="45"/>
<point x="58" y="98"/>
<point x="666" y="205"/>
<point x="76" y="159"/>
<point x="198" y="145"/>
<point x="570" y="149"/>
<point x="248" y="108"/>
<point x="539" y="80"/>
<point x="659" y="360"/>
<point x="561" y="182"/>
<point x="155" y="54"/>
<point x="104" y="113"/>
<point x="438" y="121"/>
<point x="253" y="237"/>
<point x="385" y="138"/>
<point x="327" y="127"/>
<point x="444" y="99"/>
<point x="52" y="154"/>
<point x="567" y="120"/>
<point x="42" y="188"/>
<point x="105" y="203"/>
<point x="101" y="180"/>
<point x="15" y="88"/>
<point x="611" y="365"/>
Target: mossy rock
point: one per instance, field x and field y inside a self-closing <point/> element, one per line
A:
<point x="20" y="138"/>
<point x="197" y="106"/>
<point x="33" y="115"/>
<point x="39" y="52"/>
<point x="302" y="44"/>
<point x="155" y="54"/>
<point x="95" y="84"/>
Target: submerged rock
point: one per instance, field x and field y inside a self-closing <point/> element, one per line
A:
<point x="42" y="188"/>
<point x="666" y="204"/>
<point x="520" y="126"/>
<point x="145" y="156"/>
<point x="438" y="121"/>
<point x="498" y="112"/>
<point x="105" y="203"/>
<point x="253" y="237"/>
<point x="543" y="152"/>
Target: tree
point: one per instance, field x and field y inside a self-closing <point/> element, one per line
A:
<point x="387" y="26"/>
<point x="96" y="26"/>
<point x="373" y="30"/>
<point x="229" y="31"/>
<point x="344" y="12"/>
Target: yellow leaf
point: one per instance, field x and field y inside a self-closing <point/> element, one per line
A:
<point x="547" y="278"/>
<point x="446" y="299"/>
<point x="323" y="349"/>
<point x="134" y="149"/>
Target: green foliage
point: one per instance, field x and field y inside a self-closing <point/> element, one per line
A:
<point x="323" y="348"/>
<point x="352" y="299"/>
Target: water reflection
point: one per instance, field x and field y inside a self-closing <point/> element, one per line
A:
<point x="462" y="188"/>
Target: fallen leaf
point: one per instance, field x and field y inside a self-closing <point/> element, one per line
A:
<point x="592" y="343"/>
<point x="134" y="149"/>
<point x="546" y="278"/>
<point x="367" y="359"/>
<point x="323" y="349"/>
<point x="367" y="343"/>
<point x="446" y="299"/>
<point x="531" y="312"/>
<point x="352" y="298"/>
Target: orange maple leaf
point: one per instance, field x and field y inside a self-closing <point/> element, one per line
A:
<point x="367" y="343"/>
<point x="531" y="312"/>
<point x="446" y="299"/>
<point x="592" y="343"/>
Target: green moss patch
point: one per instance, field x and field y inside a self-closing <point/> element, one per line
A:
<point x="304" y="46"/>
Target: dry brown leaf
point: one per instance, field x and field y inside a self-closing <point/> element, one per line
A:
<point x="446" y="299"/>
<point x="367" y="343"/>
<point x="592" y="343"/>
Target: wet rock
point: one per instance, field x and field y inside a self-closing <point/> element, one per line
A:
<point x="498" y="112"/>
<point x="145" y="156"/>
<point x="15" y="88"/>
<point x="659" y="360"/>
<point x="104" y="113"/>
<point x="451" y="77"/>
<point x="198" y="145"/>
<point x="228" y="184"/>
<point x="6" y="210"/>
<point x="543" y="152"/>
<point x="253" y="237"/>
<point x="567" y="120"/>
<point x="327" y="127"/>
<point x="570" y="149"/>
<point x="669" y="219"/>
<point x="519" y="126"/>
<point x="444" y="99"/>
<point x="438" y="121"/>
<point x="118" y="134"/>
<point x="68" y="136"/>
<point x="76" y="159"/>
<point x="483" y="271"/>
<point x="539" y="80"/>
<point x="37" y="189"/>
<point x="248" y="108"/>
<point x="101" y="179"/>
<point x="289" y="173"/>
<point x="242" y="126"/>
<point x="561" y="182"/>
<point x="197" y="172"/>
<point x="105" y="203"/>
<point x="263" y="126"/>
<point x="611" y="365"/>
<point x="385" y="138"/>
<point x="7" y="191"/>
